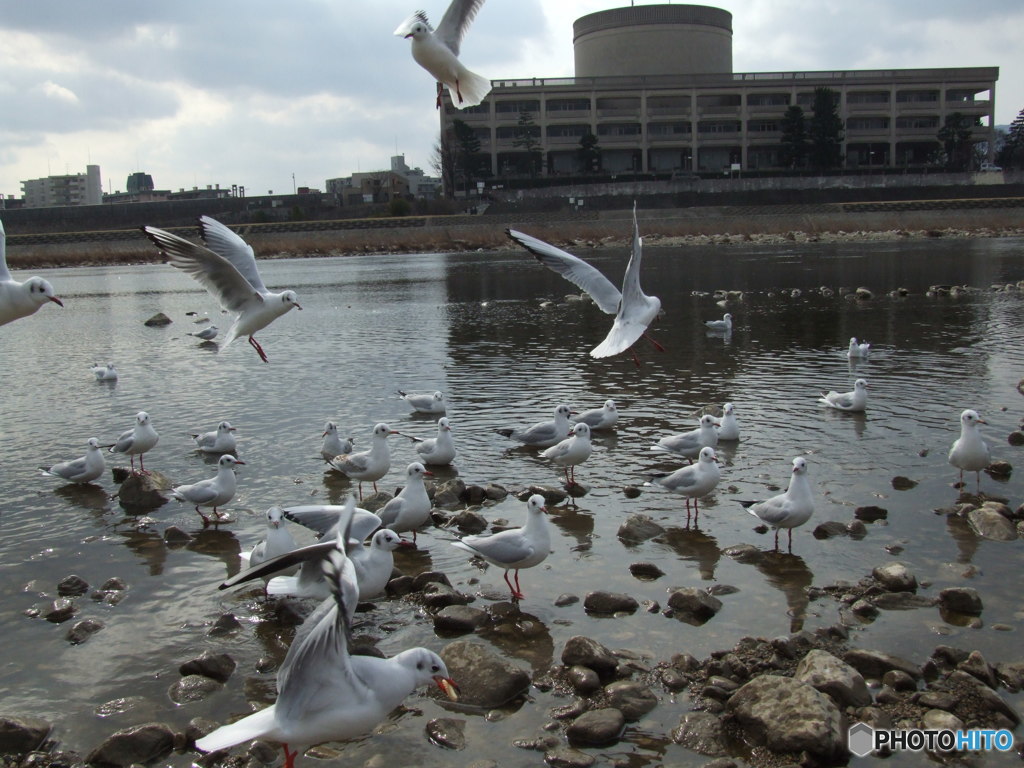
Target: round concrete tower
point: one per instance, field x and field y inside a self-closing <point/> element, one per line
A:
<point x="653" y="40"/>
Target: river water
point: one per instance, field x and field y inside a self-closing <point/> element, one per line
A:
<point x="473" y="326"/>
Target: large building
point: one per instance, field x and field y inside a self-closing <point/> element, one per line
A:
<point x="74" y="189"/>
<point x="655" y="84"/>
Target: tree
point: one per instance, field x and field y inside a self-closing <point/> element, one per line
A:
<point x="467" y="152"/>
<point x="1011" y="154"/>
<point x="442" y="160"/>
<point x="795" y="140"/>
<point x="826" y="131"/>
<point x="589" y="154"/>
<point x="955" y="137"/>
<point x="527" y="138"/>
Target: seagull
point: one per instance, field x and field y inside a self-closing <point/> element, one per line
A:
<point x="600" y="418"/>
<point x="207" y="334"/>
<point x="227" y="269"/>
<point x="425" y="403"/>
<point x="970" y="452"/>
<point x="221" y="440"/>
<point x="789" y="509"/>
<point x="437" y="451"/>
<point x="324" y="693"/>
<point x="544" y="433"/>
<point x="571" y="451"/>
<point x="369" y="465"/>
<point x="278" y="541"/>
<point x="137" y="441"/>
<point x="333" y="444"/>
<point x="104" y="372"/>
<point x="514" y="548"/>
<point x="728" y="429"/>
<point x="19" y="300"/>
<point x="410" y="509"/>
<point x="694" y="481"/>
<point x="633" y="309"/>
<point x="689" y="444"/>
<point x="81" y="470"/>
<point x="213" y="492"/>
<point x="437" y="51"/>
<point x="858" y="351"/>
<point x="725" y="324"/>
<point x="855" y="401"/>
<point x="374" y="564"/>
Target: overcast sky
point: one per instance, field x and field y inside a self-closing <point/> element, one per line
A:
<point x="253" y="92"/>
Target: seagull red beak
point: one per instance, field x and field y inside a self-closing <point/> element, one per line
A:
<point x="446" y="684"/>
<point x="239" y="461"/>
<point x="408" y="36"/>
<point x="56" y="301"/>
<point x="428" y="473"/>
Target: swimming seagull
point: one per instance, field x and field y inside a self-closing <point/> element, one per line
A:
<point x="633" y="309"/>
<point x="570" y="452"/>
<point x="544" y="433"/>
<point x="19" y="300"/>
<point x="221" y="440"/>
<point x="424" y="403"/>
<point x="514" y="548"/>
<point x="855" y="401"/>
<point x="81" y="470"/>
<point x="437" y="51"/>
<point x="324" y="693"/>
<point x="437" y="451"/>
<point x="333" y="444"/>
<point x="790" y="509"/>
<point x="604" y="417"/>
<point x="207" y="334"/>
<point x="104" y="372"/>
<point x="689" y="444"/>
<point x="858" y="351"/>
<point x="137" y="441"/>
<point x="369" y="465"/>
<point x="410" y="509"/>
<point x="694" y="481"/>
<point x="226" y="267"/>
<point x="970" y="452"/>
<point x="213" y="492"/>
<point x="727" y="427"/>
<point x="723" y="325"/>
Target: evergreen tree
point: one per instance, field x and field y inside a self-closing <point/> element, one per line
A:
<point x="955" y="137"/>
<point x="589" y="154"/>
<point x="467" y="152"/>
<point x="795" y="140"/>
<point x="1011" y="154"/>
<point x="527" y="138"/>
<point x="826" y="131"/>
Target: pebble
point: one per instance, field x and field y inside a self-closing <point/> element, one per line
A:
<point x="589" y="653"/>
<point x="596" y="728"/>
<point x="694" y="606"/>
<point x="216" y="666"/>
<point x="965" y="600"/>
<point x="646" y="571"/>
<point x="638" y="527"/>
<point x="83" y="630"/>
<point x="447" y="732"/>
<point x="607" y="603"/>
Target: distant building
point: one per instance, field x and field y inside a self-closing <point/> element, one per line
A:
<point x="383" y="186"/>
<point x="420" y="185"/>
<point x="139" y="182"/>
<point x="55" y="191"/>
<point x="654" y="84"/>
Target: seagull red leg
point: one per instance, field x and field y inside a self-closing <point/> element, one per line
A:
<point x="256" y="345"/>
<point x="657" y="346"/>
<point x="289" y="756"/>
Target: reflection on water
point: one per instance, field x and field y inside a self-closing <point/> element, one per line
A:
<point x="472" y="326"/>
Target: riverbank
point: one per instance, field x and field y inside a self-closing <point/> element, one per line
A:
<point x="769" y="225"/>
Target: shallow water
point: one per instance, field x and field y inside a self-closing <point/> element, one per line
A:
<point x="472" y="326"/>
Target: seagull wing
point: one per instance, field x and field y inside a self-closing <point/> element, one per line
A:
<point x="406" y="26"/>
<point x="223" y="241"/>
<point x="773" y="510"/>
<point x="5" y="273"/>
<point x="505" y="547"/>
<point x="456" y="21"/>
<point x="274" y="565"/>
<point x="211" y="270"/>
<point x="573" y="269"/>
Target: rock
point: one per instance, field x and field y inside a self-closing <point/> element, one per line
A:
<point x="976" y="665"/>
<point x="609" y="602"/>
<point x="459" y="619"/>
<point x="939" y="720"/>
<point x="551" y="495"/>
<point x="990" y="524"/>
<point x="1000" y="468"/>
<point x="985" y="699"/>
<point x="694" y="606"/>
<point x="965" y="600"/>
<point x="829" y="529"/>
<point x="899" y="680"/>
<point x="469" y="521"/>
<point x="584" y="680"/>
<point x="901" y="483"/>
<point x="484" y="678"/>
<point x="901" y="601"/>
<point x="1015" y="438"/>
<point x="375" y="500"/>
<point x="438" y="596"/>
<point x="596" y="728"/>
<point x="1011" y="674"/>
<point x="157" y="320"/>
<point x="824" y="672"/>
<point x="216" y="666"/>
<point x="60" y="610"/>
<point x="590" y="653"/>
<point x="871" y="514"/>
<point x="789" y="716"/>
<point x="176" y="536"/>
<point x="874" y="664"/>
<point x="225" y="624"/>
<point x="639" y="528"/>
<point x="421" y="580"/>
<point x="447" y="732"/>
<point x="701" y="732"/>
<point x="566" y="599"/>
<point x="138" y="744"/>
<point x="21" y="735"/>
<point x="895" y="577"/>
<point x="193" y="688"/>
<point x="630" y="491"/>
<point x="646" y="571"/>
<point x="495" y="492"/>
<point x="633" y="700"/>
<point x="72" y="586"/>
<point x="143" y="492"/>
<point x="567" y="757"/>
<point x="83" y="630"/>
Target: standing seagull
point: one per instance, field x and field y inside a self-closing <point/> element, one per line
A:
<point x="137" y="441"/>
<point x="324" y="693"/>
<point x="544" y="433"/>
<point x="970" y="451"/>
<point x="19" y="300"/>
<point x="369" y="465"/>
<point x="214" y="492"/>
<point x="571" y="451"/>
<point x="688" y="444"/>
<point x="227" y="269"/>
<point x="437" y="51"/>
<point x="789" y="509"/>
<point x="693" y="481"/>
<point x="410" y="509"/>
<point x="278" y="541"/>
<point x="633" y="309"/>
<point x="600" y="418"/>
<point x="854" y="402"/>
<point x="221" y="440"/>
<point x="437" y="451"/>
<point x="81" y="470"/>
<point x="514" y="548"/>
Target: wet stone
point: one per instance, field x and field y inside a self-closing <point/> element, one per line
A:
<point x="608" y="603"/>
<point x="567" y="757"/>
<point x="138" y="744"/>
<point x="72" y="586"/>
<point x="224" y="625"/>
<point x="895" y="577"/>
<point x="701" y="732"/>
<point x="83" y="630"/>
<point x="583" y="679"/>
<point x="991" y="524"/>
<point x="176" y="536"/>
<point x="193" y="688"/>
<point x="470" y="522"/>
<point x="963" y="600"/>
<point x="976" y="665"/>
<point x="598" y="727"/>
<point x="460" y="619"/>
<point x="646" y="571"/>
<point x="420" y="581"/>
<point x="437" y="596"/>
<point x="485" y="678"/>
<point x="563" y="600"/>
<point x="447" y="732"/>
<point x="60" y="610"/>
<point x="899" y="680"/>
<point x="631" y="492"/>
<point x="20" y="735"/>
<point x="693" y="605"/>
<point x="639" y="528"/>
<point x="551" y="495"/>
<point x="824" y="672"/>
<point x="874" y="664"/>
<point x="216" y="666"/>
<point x="633" y="700"/>
<point x="870" y="514"/>
<point x="495" y="492"/>
<point x="589" y="653"/>
<point x="829" y="529"/>
<point x="901" y="483"/>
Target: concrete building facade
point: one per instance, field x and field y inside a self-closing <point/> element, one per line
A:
<point x="655" y="84"/>
<point x="73" y="189"/>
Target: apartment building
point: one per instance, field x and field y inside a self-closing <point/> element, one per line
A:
<point x="73" y="189"/>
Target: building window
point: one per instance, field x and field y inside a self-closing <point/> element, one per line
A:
<point x="867" y="124"/>
<point x="554" y="131"/>
<point x="719" y="126"/>
<point x="768" y="100"/>
<point x="513" y="131"/>
<point x="918" y="123"/>
<point x="669" y="129"/>
<point x="618" y="129"/>
<point x="916" y="97"/>
<point x="567" y="105"/>
<point x="517" y="106"/>
<point x="674" y="103"/>
<point x="867" y="97"/>
<point x="763" y="126"/>
<point x="719" y="100"/>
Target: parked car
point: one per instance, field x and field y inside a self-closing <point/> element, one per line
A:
<point x="987" y="166"/>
